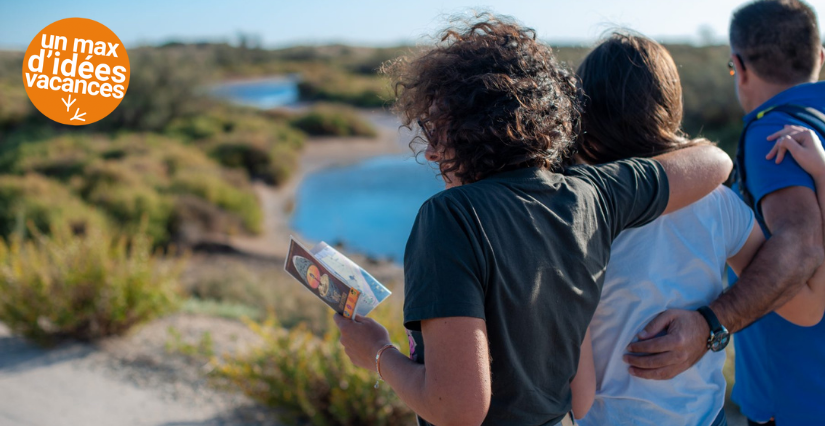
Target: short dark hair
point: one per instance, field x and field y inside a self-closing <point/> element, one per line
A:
<point x="778" y="39"/>
<point x="502" y="100"/>
<point x="631" y="101"/>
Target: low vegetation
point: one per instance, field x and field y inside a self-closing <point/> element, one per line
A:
<point x="333" y="120"/>
<point x="311" y="379"/>
<point x="236" y="288"/>
<point x="77" y="178"/>
<point x="34" y="202"/>
<point x="83" y="286"/>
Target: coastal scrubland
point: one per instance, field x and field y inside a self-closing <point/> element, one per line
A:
<point x="113" y="224"/>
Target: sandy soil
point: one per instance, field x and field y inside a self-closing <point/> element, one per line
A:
<point x="129" y="380"/>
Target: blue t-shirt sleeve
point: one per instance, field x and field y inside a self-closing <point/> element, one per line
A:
<point x="765" y="176"/>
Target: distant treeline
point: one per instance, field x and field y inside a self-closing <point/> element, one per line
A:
<point x="167" y="81"/>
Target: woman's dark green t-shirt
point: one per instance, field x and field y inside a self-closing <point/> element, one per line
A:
<point x="526" y="251"/>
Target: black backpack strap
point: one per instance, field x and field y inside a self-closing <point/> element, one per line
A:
<point x="810" y="117"/>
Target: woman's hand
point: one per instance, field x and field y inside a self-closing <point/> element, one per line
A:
<point x="362" y="339"/>
<point x="803" y="144"/>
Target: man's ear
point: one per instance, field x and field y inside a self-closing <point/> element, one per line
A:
<point x="821" y="56"/>
<point x="741" y="72"/>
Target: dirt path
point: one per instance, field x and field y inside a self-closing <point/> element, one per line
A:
<point x="124" y="381"/>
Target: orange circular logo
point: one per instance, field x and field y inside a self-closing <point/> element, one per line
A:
<point x="76" y="71"/>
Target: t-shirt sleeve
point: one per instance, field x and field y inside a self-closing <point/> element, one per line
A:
<point x="737" y="220"/>
<point x="444" y="266"/>
<point x="631" y="192"/>
<point x="765" y="176"/>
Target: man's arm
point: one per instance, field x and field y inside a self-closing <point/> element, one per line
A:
<point x="808" y="306"/>
<point x="784" y="263"/>
<point x="778" y="271"/>
<point x="693" y="173"/>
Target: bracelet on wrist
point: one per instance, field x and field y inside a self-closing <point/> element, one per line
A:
<point x="378" y="362"/>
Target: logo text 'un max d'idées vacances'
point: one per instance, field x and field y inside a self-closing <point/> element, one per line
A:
<point x="76" y="71"/>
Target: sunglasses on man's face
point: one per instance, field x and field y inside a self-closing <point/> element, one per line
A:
<point x="732" y="66"/>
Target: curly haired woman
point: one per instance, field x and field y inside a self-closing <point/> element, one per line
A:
<point x="512" y="251"/>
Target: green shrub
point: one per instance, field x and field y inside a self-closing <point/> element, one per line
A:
<point x="45" y="204"/>
<point x="334" y="85"/>
<point x="127" y="205"/>
<point x="15" y="105"/>
<point x="257" y="286"/>
<point x="203" y="348"/>
<point x="311" y="379"/>
<point x="163" y="85"/>
<point x="59" y="157"/>
<point x="83" y="287"/>
<point x="217" y="190"/>
<point x="271" y="165"/>
<point x="266" y="148"/>
<point x="192" y="217"/>
<point x="196" y="127"/>
<point x="128" y="177"/>
<point x="334" y="120"/>
<point x="283" y="162"/>
<point x="212" y="308"/>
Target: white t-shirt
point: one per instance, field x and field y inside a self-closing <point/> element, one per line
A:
<point x="676" y="261"/>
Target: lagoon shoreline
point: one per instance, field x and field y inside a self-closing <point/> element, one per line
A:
<point x="319" y="153"/>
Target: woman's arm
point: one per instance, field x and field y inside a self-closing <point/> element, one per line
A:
<point x="693" y="173"/>
<point x="452" y="387"/>
<point x="583" y="385"/>
<point x="743" y="258"/>
<point x="808" y="306"/>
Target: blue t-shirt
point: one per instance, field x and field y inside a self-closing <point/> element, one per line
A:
<point x="780" y="367"/>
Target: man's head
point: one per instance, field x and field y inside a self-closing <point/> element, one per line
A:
<point x="491" y="98"/>
<point x="775" y="44"/>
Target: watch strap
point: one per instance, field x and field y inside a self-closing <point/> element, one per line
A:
<point x="710" y="317"/>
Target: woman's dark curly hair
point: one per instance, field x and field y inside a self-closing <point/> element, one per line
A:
<point x="496" y="98"/>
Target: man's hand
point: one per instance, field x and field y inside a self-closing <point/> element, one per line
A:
<point x="362" y="339"/>
<point x="665" y="357"/>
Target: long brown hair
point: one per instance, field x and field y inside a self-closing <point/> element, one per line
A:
<point x="631" y="100"/>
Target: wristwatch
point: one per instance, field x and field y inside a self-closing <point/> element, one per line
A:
<point x="719" y="336"/>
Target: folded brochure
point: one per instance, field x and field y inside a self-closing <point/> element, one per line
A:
<point x="343" y="285"/>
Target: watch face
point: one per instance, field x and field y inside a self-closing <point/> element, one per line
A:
<point x="720" y="340"/>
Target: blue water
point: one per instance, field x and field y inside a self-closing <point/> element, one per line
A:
<point x="264" y="93"/>
<point x="368" y="207"/>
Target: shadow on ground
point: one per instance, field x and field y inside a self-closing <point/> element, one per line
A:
<point x="18" y="355"/>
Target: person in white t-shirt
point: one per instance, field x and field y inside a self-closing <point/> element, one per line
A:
<point x="632" y="107"/>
